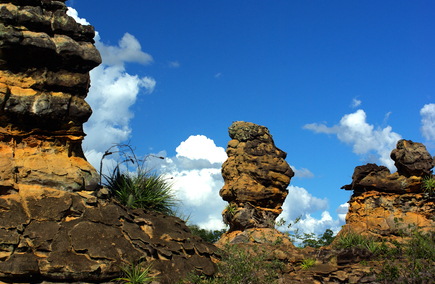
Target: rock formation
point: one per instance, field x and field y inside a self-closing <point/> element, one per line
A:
<point x="45" y="59"/>
<point x="55" y="223"/>
<point x="256" y="177"/>
<point x="383" y="202"/>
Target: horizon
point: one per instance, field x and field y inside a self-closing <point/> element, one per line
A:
<point x="337" y="84"/>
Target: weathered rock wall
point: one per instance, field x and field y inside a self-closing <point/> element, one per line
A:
<point x="45" y="59"/>
<point x="382" y="203"/>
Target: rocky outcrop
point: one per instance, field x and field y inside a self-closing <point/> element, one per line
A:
<point x="58" y="236"/>
<point x="256" y="177"/>
<point x="383" y="202"/>
<point x="45" y="59"/>
<point x="56" y="224"/>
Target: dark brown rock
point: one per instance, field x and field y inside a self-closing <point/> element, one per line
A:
<point x="412" y="159"/>
<point x="73" y="242"/>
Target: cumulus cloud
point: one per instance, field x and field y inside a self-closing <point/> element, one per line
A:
<point x="75" y="15"/>
<point x="301" y="203"/>
<point x="128" y="50"/>
<point x="196" y="171"/>
<point x="428" y="121"/>
<point x="355" y="103"/>
<point x="113" y="91"/>
<point x="364" y="138"/>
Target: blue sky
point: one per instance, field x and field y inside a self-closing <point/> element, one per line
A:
<point x="336" y="82"/>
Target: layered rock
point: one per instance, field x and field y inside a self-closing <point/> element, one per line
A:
<point x="54" y="235"/>
<point x="256" y="177"/>
<point x="383" y="202"/>
<point x="45" y="59"/>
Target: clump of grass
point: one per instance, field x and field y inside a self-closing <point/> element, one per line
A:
<point x="428" y="184"/>
<point x="134" y="274"/>
<point x="307" y="263"/>
<point x="141" y="188"/>
<point x="352" y="239"/>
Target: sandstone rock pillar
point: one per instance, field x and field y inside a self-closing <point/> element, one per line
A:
<point x="45" y="59"/>
<point x="256" y="177"/>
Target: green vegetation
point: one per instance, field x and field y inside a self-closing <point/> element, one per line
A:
<point x="411" y="261"/>
<point x="307" y="263"/>
<point x="242" y="265"/>
<point x="352" y="239"/>
<point x="141" y="188"/>
<point x="134" y="274"/>
<point x="306" y="239"/>
<point x="310" y="240"/>
<point x="210" y="236"/>
<point x="428" y="184"/>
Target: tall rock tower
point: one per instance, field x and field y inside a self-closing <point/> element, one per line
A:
<point x="256" y="177"/>
<point x="45" y="59"/>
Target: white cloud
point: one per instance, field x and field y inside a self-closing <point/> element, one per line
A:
<point x="200" y="147"/>
<point x="196" y="169"/>
<point x="355" y="103"/>
<point x="113" y="91"/>
<point x="428" y="121"/>
<point x="217" y="75"/>
<point x="354" y="130"/>
<point x="174" y="64"/>
<point x="302" y="173"/>
<point x="75" y="15"/>
<point x="342" y="212"/>
<point x="300" y="203"/>
<point x="128" y="50"/>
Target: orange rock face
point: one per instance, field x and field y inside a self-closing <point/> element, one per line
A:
<point x="45" y="59"/>
<point x="382" y="203"/>
<point x="256" y="178"/>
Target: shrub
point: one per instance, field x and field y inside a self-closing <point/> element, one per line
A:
<point x="412" y="261"/>
<point x="210" y="236"/>
<point x="242" y="265"/>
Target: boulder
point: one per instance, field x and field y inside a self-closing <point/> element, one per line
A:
<point x="256" y="177"/>
<point x="412" y="159"/>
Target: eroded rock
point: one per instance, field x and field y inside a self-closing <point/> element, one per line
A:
<point x="45" y="59"/>
<point x="382" y="203"/>
<point x="256" y="177"/>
